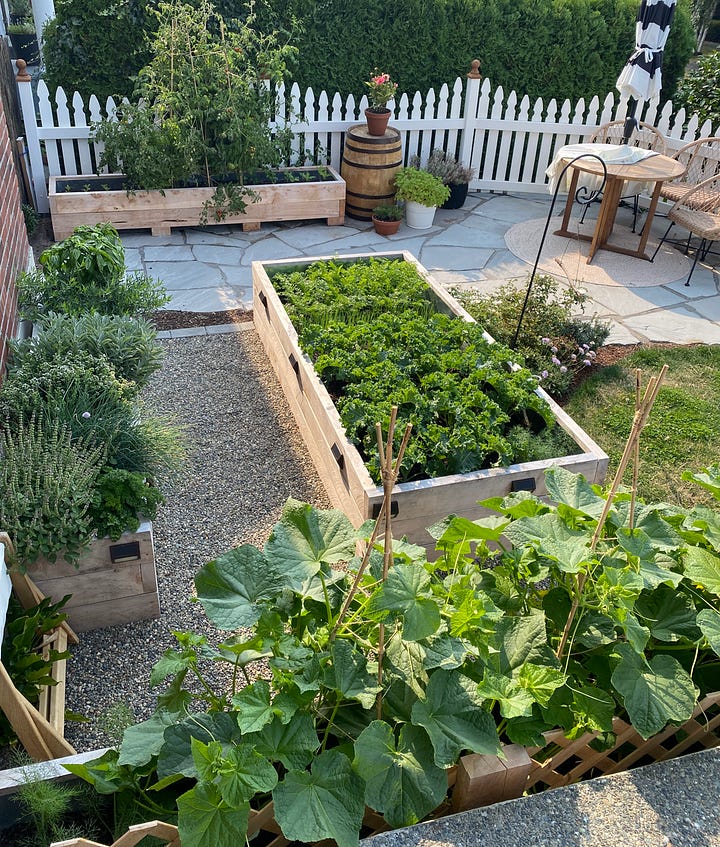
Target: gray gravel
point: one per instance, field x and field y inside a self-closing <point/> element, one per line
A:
<point x="247" y="458"/>
<point x="670" y="804"/>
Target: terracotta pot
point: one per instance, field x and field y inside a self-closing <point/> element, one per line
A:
<point x="385" y="227"/>
<point x="377" y="121"/>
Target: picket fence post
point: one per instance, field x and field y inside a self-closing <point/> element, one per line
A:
<point x="472" y="94"/>
<point x="32" y="138"/>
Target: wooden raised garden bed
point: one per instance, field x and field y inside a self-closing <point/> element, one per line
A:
<point x="76" y="200"/>
<point x="416" y="505"/>
<point x="114" y="582"/>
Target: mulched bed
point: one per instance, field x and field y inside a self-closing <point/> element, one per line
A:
<point x="612" y="353"/>
<point x="165" y="319"/>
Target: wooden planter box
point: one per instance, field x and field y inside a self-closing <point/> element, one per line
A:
<point x="114" y="582"/>
<point x="176" y="207"/>
<point x="416" y="505"/>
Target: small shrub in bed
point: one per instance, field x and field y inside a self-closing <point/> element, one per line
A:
<point x="554" y="341"/>
<point x="130" y="344"/>
<point x="86" y="273"/>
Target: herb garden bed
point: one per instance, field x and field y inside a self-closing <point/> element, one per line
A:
<point x="296" y="194"/>
<point x="420" y="502"/>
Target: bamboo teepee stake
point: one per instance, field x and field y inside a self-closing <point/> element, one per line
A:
<point x="384" y="509"/>
<point x="640" y="419"/>
<point x="389" y="474"/>
<point x="636" y="453"/>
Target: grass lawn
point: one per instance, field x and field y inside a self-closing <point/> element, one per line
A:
<point x="683" y="432"/>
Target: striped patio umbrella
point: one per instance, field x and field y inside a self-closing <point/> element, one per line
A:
<point x="641" y="78"/>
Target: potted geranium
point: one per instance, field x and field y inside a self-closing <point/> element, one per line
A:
<point x="381" y="90"/>
<point x="422" y="193"/>
<point x="453" y="174"/>
<point x="386" y="219"/>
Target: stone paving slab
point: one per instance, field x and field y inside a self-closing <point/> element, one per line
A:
<point x="208" y="268"/>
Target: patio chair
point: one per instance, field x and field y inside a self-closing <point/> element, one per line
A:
<point x="698" y="211"/>
<point x="701" y="159"/>
<point x="645" y="136"/>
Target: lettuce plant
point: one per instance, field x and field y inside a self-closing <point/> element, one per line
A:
<point x="481" y="646"/>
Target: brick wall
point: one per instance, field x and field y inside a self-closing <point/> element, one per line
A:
<point x="13" y="239"/>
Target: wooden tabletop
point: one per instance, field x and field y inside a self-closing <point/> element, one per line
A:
<point x="652" y="168"/>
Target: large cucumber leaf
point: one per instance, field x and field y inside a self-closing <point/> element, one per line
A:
<point x="573" y="490"/>
<point x="325" y="802"/>
<point x="703" y="568"/>
<point x="654" y="693"/>
<point x="347" y="673"/>
<point x="552" y="538"/>
<point x="402" y="781"/>
<point x="453" y="716"/>
<point x="233" y="586"/>
<point x="293" y="743"/>
<point x="205" y="820"/>
<point x="176" y="753"/>
<point x="709" y="622"/>
<point x="306" y="538"/>
<point x="406" y="593"/>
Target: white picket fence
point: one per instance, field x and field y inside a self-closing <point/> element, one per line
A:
<point x="508" y="143"/>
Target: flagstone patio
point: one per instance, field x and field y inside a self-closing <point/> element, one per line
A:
<point x="209" y="269"/>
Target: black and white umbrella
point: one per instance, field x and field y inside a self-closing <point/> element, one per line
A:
<point x="641" y="78"/>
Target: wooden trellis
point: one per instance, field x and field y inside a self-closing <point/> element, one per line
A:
<point x="39" y="729"/>
<point x="571" y="761"/>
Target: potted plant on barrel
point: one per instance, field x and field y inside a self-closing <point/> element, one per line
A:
<point x="453" y="174"/>
<point x="422" y="193"/>
<point x="381" y="90"/>
<point x="386" y="219"/>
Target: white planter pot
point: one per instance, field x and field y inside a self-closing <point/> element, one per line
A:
<point x="418" y="216"/>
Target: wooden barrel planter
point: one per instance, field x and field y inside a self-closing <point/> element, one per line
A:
<point x="369" y="165"/>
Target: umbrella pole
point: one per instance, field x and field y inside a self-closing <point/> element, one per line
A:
<point x="631" y="122"/>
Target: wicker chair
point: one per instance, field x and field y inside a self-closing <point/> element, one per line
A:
<point x="645" y="136"/>
<point x="701" y="159"/>
<point x="698" y="211"/>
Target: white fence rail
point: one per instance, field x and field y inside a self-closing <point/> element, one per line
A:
<point x="508" y="143"/>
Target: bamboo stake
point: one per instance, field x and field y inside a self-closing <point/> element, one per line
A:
<point x="389" y="474"/>
<point x="639" y="421"/>
<point x="636" y="453"/>
<point x="384" y="508"/>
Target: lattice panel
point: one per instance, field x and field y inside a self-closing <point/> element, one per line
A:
<point x="562" y="762"/>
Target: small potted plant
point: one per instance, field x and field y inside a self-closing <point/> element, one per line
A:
<point x="381" y="90"/>
<point x="386" y="219"/>
<point x="24" y="39"/>
<point x="453" y="174"/>
<point x="422" y="193"/>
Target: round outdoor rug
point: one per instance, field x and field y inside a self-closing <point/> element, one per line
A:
<point x="567" y="257"/>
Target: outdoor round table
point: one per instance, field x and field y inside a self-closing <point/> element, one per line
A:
<point x="655" y="168"/>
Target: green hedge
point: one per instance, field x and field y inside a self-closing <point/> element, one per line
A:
<point x="544" y="48"/>
<point x="97" y="46"/>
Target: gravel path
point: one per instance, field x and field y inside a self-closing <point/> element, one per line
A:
<point x="247" y="458"/>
